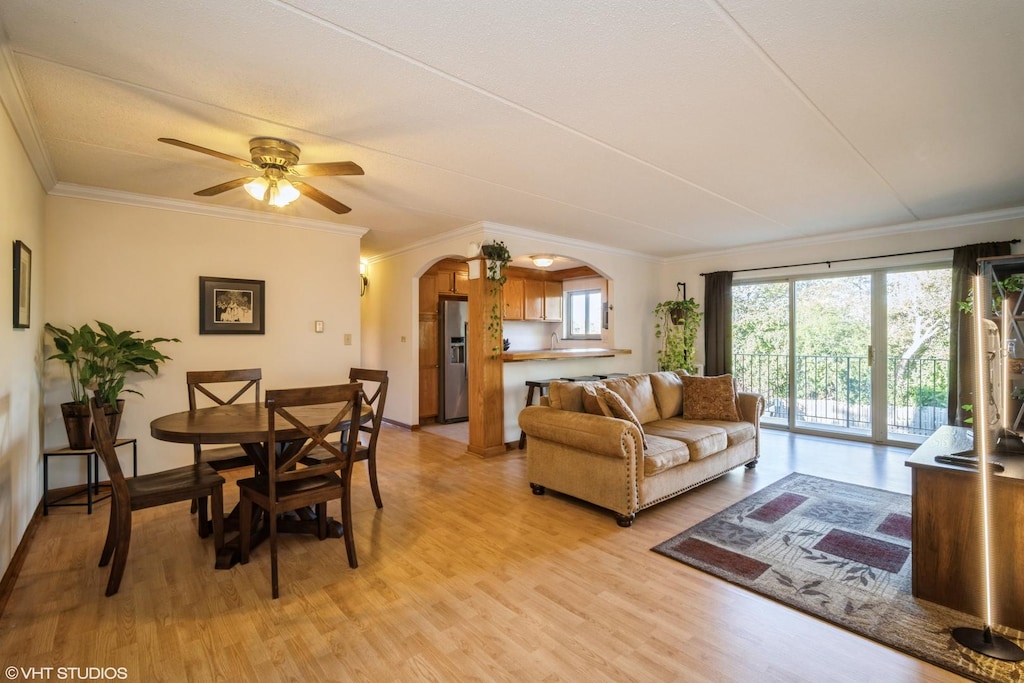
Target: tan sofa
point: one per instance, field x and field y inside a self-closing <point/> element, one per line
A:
<point x="627" y="443"/>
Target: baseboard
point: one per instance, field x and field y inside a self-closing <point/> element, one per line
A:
<point x="14" y="568"/>
<point x="400" y="425"/>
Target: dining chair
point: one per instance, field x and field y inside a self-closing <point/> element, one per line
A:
<point x="292" y="481"/>
<point x="368" y="451"/>
<point x="202" y="382"/>
<point x="146" y="491"/>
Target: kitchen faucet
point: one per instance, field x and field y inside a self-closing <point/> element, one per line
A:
<point x="554" y="340"/>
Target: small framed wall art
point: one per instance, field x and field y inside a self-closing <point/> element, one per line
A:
<point x="230" y="306"/>
<point x="22" y="284"/>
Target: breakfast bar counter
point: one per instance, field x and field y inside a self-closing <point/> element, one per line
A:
<point x="562" y="354"/>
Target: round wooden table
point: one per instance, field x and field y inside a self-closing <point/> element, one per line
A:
<point x="248" y="425"/>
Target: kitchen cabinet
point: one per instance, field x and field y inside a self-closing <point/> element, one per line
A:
<point x="542" y="300"/>
<point x="512" y="298"/>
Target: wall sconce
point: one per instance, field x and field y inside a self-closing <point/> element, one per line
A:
<point x="542" y="261"/>
<point x="364" y="282"/>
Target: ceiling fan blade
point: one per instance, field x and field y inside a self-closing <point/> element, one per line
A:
<point x="319" y="197"/>
<point x="211" y="152"/>
<point x="328" y="168"/>
<point x="223" y="187"/>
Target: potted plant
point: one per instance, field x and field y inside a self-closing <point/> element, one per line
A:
<point x="676" y="323"/>
<point x="100" y="362"/>
<point x="1011" y="286"/>
<point x="497" y="258"/>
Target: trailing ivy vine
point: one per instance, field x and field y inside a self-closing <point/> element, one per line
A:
<point x="675" y="324"/>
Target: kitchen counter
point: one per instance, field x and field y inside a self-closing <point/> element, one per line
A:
<point x="562" y="354"/>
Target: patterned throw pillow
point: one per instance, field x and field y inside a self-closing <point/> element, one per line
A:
<point x="710" y="398"/>
<point x="620" y="409"/>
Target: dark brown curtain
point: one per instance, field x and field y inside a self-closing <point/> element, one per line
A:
<point x="965" y="267"/>
<point x="718" y="323"/>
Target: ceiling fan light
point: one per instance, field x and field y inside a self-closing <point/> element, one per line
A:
<point x="542" y="261"/>
<point x="286" y="193"/>
<point x="257" y="188"/>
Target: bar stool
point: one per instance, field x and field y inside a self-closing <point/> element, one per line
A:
<point x="533" y="384"/>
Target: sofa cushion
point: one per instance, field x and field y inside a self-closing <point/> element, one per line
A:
<point x="668" y="393"/>
<point x="663" y="454"/>
<point x="636" y="391"/>
<point x="709" y="398"/>
<point x="594" y="404"/>
<point x="620" y="409"/>
<point x="701" y="438"/>
<point x="567" y="396"/>
<point x="736" y="432"/>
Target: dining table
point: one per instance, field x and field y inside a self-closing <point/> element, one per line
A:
<point x="248" y="425"/>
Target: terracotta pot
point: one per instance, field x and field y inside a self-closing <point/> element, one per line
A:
<point x="78" y="424"/>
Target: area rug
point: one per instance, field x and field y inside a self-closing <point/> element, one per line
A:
<point x="841" y="553"/>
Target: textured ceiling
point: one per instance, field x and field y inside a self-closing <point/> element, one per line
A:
<point x="666" y="128"/>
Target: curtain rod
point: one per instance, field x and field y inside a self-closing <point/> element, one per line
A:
<point x="845" y="260"/>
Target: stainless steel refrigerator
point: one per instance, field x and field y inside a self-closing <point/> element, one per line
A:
<point x="454" y="326"/>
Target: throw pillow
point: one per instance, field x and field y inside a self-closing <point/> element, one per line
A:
<point x="709" y="398"/>
<point x="620" y="410"/>
<point x="668" y="393"/>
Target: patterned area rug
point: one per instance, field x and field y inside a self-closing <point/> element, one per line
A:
<point x="842" y="553"/>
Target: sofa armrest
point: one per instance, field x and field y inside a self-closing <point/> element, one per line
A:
<point x="751" y="407"/>
<point x="598" y="434"/>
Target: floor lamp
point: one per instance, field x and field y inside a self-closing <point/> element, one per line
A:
<point x="983" y="640"/>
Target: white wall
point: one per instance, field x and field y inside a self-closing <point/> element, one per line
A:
<point x="858" y="245"/>
<point x="391" y="310"/>
<point x="138" y="268"/>
<point x="21" y="218"/>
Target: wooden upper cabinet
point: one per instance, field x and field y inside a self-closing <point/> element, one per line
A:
<point x="445" y="281"/>
<point x="552" y="301"/>
<point x="428" y="294"/>
<point x="461" y="281"/>
<point x="533" y="300"/>
<point x="512" y="298"/>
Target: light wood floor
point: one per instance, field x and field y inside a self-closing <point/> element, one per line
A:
<point x="464" y="575"/>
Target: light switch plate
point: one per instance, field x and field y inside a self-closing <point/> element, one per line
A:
<point x="318" y="326"/>
<point x="348" y="339"/>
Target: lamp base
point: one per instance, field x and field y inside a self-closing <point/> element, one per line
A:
<point x="983" y="641"/>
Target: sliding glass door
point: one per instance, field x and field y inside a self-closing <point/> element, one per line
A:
<point x="864" y="355"/>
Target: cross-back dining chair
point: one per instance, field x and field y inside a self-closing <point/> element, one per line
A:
<point x="222" y="387"/>
<point x="146" y="491"/>
<point x="375" y="393"/>
<point x="293" y="481"/>
<point x="368" y="451"/>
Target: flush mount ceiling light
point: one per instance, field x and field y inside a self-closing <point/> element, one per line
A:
<point x="275" y="159"/>
<point x="542" y="261"/>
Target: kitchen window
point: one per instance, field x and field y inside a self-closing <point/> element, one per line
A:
<point x="583" y="318"/>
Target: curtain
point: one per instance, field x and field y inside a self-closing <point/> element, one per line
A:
<point x="965" y="267"/>
<point x="718" y="323"/>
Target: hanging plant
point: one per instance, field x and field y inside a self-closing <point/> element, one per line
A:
<point x="676" y="323"/>
<point x="497" y="258"/>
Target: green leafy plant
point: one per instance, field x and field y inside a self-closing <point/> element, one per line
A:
<point x="497" y="258"/>
<point x="101" y="361"/>
<point x="676" y="323"/>
<point x="1013" y="283"/>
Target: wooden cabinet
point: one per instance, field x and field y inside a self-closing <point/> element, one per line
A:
<point x="542" y="300"/>
<point x="552" y="301"/>
<point x="428" y="392"/>
<point x="461" y="282"/>
<point x="428" y="365"/>
<point x="428" y="294"/>
<point x="452" y="281"/>
<point x="512" y="298"/>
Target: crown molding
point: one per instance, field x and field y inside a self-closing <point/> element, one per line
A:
<point x="480" y="229"/>
<point x="925" y="225"/>
<point x="15" y="101"/>
<point x="183" y="206"/>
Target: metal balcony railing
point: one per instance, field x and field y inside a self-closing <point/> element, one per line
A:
<point x="835" y="391"/>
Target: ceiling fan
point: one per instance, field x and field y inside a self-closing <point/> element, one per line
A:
<point x="276" y="159"/>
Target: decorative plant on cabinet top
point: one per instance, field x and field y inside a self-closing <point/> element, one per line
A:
<point x="675" y="324"/>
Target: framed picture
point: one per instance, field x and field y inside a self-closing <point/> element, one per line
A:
<point x="22" y="284"/>
<point x="230" y="306"/>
